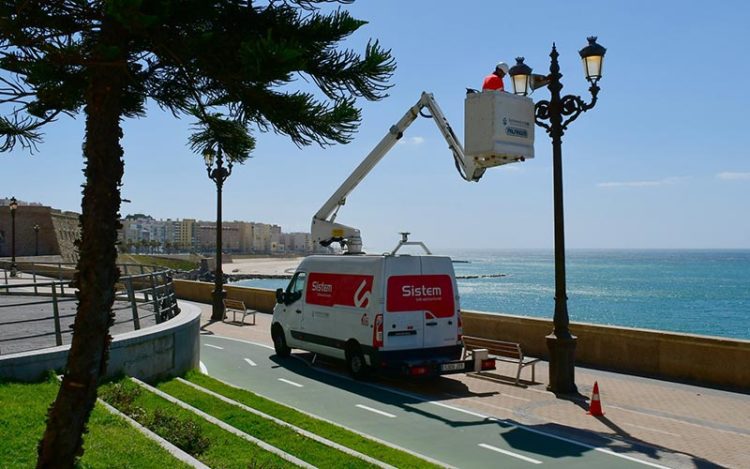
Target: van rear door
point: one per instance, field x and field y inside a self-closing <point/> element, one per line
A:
<point x="403" y="324"/>
<point x="439" y="300"/>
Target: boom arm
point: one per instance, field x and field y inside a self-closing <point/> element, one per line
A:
<point x="325" y="230"/>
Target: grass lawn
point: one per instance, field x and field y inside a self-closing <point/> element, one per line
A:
<point x="176" y="264"/>
<point x="279" y="436"/>
<point x="223" y="449"/>
<point x="332" y="432"/>
<point x="111" y="442"/>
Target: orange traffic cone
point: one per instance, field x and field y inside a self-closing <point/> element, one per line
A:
<point x="595" y="407"/>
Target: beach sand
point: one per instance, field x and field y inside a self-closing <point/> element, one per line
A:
<point x="263" y="266"/>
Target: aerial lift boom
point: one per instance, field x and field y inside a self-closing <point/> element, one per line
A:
<point x="325" y="230"/>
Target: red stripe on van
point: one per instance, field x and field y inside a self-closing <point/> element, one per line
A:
<point x="338" y="289"/>
<point x="433" y="293"/>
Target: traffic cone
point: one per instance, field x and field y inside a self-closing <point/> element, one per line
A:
<point x="595" y="407"/>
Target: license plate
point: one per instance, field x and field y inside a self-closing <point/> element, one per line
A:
<point x="452" y="366"/>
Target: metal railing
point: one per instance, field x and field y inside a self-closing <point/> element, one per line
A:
<point x="147" y="297"/>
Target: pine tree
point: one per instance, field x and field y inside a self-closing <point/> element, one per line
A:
<point x="227" y="64"/>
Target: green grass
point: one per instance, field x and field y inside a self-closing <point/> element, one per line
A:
<point x="176" y="264"/>
<point x="224" y="449"/>
<point x="110" y="442"/>
<point x="279" y="436"/>
<point x="332" y="432"/>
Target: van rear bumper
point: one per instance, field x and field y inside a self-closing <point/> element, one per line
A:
<point x="430" y="360"/>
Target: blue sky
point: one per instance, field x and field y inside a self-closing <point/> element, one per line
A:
<point x="660" y="162"/>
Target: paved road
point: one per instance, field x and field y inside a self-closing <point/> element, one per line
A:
<point x="445" y="433"/>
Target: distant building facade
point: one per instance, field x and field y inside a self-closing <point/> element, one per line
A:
<point x="58" y="231"/>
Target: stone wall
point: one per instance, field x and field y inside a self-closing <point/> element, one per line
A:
<point x="685" y="357"/>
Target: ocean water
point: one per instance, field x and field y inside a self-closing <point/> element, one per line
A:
<point x="694" y="291"/>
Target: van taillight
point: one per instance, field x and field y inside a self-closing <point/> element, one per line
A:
<point x="377" y="332"/>
<point x="460" y="336"/>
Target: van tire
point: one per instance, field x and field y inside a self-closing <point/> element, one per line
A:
<point x="355" y="361"/>
<point x="279" y="342"/>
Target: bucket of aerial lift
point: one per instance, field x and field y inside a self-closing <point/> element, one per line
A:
<point x="498" y="128"/>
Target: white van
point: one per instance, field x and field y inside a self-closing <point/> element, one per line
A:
<point x="383" y="312"/>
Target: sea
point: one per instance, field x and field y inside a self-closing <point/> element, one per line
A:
<point x="703" y="292"/>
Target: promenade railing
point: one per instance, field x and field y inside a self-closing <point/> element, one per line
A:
<point x="145" y="295"/>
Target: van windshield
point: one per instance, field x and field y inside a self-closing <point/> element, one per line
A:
<point x="296" y="287"/>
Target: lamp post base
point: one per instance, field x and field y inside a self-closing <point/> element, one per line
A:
<point x="562" y="357"/>
<point x="218" y="304"/>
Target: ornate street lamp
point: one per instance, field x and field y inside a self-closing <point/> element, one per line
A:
<point x="36" y="228"/>
<point x="218" y="174"/>
<point x="13" y="207"/>
<point x="549" y="115"/>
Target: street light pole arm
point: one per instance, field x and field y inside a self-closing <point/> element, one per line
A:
<point x="541" y="114"/>
<point x="574" y="105"/>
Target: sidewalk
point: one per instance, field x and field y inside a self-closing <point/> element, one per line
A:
<point x="665" y="423"/>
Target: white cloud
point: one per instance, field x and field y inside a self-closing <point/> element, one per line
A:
<point x="656" y="183"/>
<point x="411" y="141"/>
<point x="733" y="176"/>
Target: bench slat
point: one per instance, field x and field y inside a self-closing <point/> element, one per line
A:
<point x="238" y="306"/>
<point x="509" y="352"/>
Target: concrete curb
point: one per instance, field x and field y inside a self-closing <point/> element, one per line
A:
<point x="301" y="431"/>
<point x="169" y="348"/>
<point x="272" y="449"/>
<point x="176" y="452"/>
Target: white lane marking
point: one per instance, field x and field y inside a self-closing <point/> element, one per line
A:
<point x="523" y="427"/>
<point x="243" y="341"/>
<point x="358" y="432"/>
<point x="510" y="453"/>
<point x="203" y="368"/>
<point x="290" y="382"/>
<point x="376" y="411"/>
<point x="649" y="429"/>
<point x="215" y="346"/>
<point x="250" y="362"/>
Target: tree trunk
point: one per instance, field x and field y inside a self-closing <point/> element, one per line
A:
<point x="97" y="272"/>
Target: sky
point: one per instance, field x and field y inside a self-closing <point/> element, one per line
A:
<point x="662" y="161"/>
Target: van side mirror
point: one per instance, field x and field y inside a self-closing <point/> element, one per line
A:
<point x="280" y="295"/>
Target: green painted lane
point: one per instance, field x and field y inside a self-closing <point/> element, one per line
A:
<point x="444" y="433"/>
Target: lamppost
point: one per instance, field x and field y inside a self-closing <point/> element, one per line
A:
<point x="554" y="116"/>
<point x="13" y="207"/>
<point x="218" y="174"/>
<point x="36" y="239"/>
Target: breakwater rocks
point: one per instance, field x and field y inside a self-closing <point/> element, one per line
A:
<point x="238" y="277"/>
<point x="468" y="277"/>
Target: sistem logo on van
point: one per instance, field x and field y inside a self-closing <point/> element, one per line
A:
<point x="433" y="293"/>
<point x="362" y="296"/>
<point x="322" y="287"/>
<point x="326" y="289"/>
<point x="412" y="290"/>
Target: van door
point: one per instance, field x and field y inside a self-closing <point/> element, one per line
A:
<point x="295" y="305"/>
<point x="403" y="323"/>
<point x="439" y="299"/>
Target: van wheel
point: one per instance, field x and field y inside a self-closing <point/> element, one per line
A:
<point x="355" y="361"/>
<point x="279" y="342"/>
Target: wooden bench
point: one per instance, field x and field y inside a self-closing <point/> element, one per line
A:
<point x="509" y="352"/>
<point x="238" y="306"/>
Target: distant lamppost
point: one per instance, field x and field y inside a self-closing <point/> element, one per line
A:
<point x="561" y="343"/>
<point x="36" y="239"/>
<point x="13" y="207"/>
<point x="218" y="174"/>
